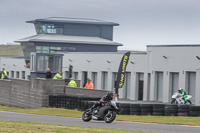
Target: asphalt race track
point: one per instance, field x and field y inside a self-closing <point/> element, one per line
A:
<point x="134" y="126"/>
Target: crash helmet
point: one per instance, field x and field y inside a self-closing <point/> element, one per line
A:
<point x="110" y="95"/>
<point x="180" y="90"/>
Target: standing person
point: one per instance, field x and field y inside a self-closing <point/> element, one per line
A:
<point x="89" y="84"/>
<point x="72" y="83"/>
<point x="4" y="74"/>
<point x="58" y="76"/>
<point x="48" y="74"/>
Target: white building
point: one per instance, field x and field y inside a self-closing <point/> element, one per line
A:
<point x="150" y="76"/>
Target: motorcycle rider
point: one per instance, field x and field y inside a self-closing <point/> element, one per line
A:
<point x="107" y="98"/>
<point x="183" y="94"/>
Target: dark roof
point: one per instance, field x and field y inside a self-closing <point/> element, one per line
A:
<point x="73" y="20"/>
<point x="175" y="45"/>
<point x="68" y="39"/>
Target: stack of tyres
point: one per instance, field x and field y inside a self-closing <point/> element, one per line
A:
<point x="58" y="101"/>
<point x="171" y="110"/>
<point x="124" y="108"/>
<point x="70" y="99"/>
<point x="86" y="106"/>
<point x="50" y="100"/>
<point x="158" y="109"/>
<point x="135" y="109"/>
<point x="79" y="99"/>
<point x="194" y="110"/>
<point x="67" y="101"/>
<point x="81" y="108"/>
<point x="62" y="97"/>
<point x="183" y="110"/>
<point x="74" y="102"/>
<point x="91" y="103"/>
<point x="146" y="109"/>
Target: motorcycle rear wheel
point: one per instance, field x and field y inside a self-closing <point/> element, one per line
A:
<point x="86" y="117"/>
<point x="110" y="116"/>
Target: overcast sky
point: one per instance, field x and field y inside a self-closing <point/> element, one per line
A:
<point x="142" y="22"/>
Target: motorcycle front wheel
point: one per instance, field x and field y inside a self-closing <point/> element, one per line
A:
<point x="110" y="116"/>
<point x="86" y="116"/>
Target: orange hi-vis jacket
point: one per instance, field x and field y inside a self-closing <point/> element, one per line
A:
<point x="89" y="85"/>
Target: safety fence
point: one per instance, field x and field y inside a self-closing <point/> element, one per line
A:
<point x="82" y="103"/>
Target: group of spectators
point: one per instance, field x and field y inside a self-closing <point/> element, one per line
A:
<point x="49" y="74"/>
<point x="88" y="84"/>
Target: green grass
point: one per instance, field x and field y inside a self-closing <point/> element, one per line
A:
<point x="194" y="121"/>
<point x="29" y="127"/>
<point x="11" y="50"/>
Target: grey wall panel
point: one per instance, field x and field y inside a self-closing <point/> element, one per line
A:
<point x="127" y="86"/>
<point x="159" y="86"/>
<point x="175" y="82"/>
<point x="89" y="30"/>
<point x="192" y="85"/>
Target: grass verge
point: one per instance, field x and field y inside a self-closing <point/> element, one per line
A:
<point x="193" y="121"/>
<point x="29" y="127"/>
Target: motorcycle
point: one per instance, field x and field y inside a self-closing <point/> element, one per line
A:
<point x="178" y="99"/>
<point x="106" y="112"/>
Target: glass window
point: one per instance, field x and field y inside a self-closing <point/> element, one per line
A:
<point x="52" y="28"/>
<point x="46" y="58"/>
<point x="12" y="74"/>
<point x="38" y="47"/>
<point x="39" y="28"/>
<point x="23" y="74"/>
<point x="40" y="63"/>
<point x="72" y="48"/>
<point x="45" y="49"/>
<point x="17" y="74"/>
<point x="42" y="49"/>
<point x="65" y="48"/>
<point x="59" y="48"/>
<point x="28" y="49"/>
<point x="53" y="48"/>
<point x="58" y="61"/>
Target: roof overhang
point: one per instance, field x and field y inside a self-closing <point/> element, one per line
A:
<point x="72" y="20"/>
<point x="68" y="39"/>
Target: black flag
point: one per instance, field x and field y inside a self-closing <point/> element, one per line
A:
<point x="121" y="71"/>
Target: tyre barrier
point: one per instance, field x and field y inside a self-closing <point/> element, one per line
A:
<point x="194" y="110"/>
<point x="70" y="102"/>
<point x="135" y="109"/>
<point x="158" y="109"/>
<point x="125" y="109"/>
<point x="171" y="110"/>
<point x="146" y="109"/>
<point x="183" y="110"/>
<point x="83" y="103"/>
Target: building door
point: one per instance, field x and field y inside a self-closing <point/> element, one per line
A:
<point x="159" y="85"/>
<point x="94" y="79"/>
<point x="84" y="78"/>
<point x="114" y="79"/>
<point x="191" y="76"/>
<point x="148" y="86"/>
<point x="174" y="82"/>
<point x="140" y="85"/>
<point x="105" y="80"/>
<point x="127" y="84"/>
